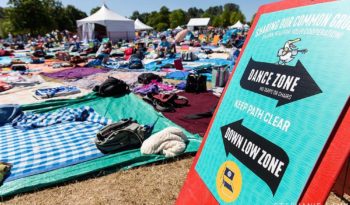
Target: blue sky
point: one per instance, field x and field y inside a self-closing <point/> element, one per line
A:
<point x="126" y="7"/>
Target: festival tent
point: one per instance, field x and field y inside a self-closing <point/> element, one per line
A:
<point x="237" y="25"/>
<point x="179" y="28"/>
<point x="106" y="23"/>
<point x="197" y="22"/>
<point x="246" y="27"/>
<point x="139" y="26"/>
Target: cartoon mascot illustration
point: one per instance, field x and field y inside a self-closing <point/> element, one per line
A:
<point x="289" y="51"/>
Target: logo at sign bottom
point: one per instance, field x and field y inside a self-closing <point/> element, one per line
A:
<point x="229" y="181"/>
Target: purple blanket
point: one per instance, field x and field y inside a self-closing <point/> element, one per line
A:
<point x="75" y="73"/>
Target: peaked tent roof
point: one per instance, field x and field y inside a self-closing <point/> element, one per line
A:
<point x="139" y="26"/>
<point x="198" y="22"/>
<point x="246" y="26"/>
<point x="102" y="15"/>
<point x="237" y="25"/>
<point x="179" y="28"/>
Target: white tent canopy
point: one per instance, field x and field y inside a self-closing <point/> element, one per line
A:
<point x="237" y="25"/>
<point x="197" y="22"/>
<point x="179" y="28"/>
<point x="139" y="26"/>
<point x="117" y="26"/>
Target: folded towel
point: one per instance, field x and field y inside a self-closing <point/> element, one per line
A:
<point x="56" y="92"/>
<point x="170" y="142"/>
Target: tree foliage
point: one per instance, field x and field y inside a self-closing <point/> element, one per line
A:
<point x="194" y="13"/>
<point x="221" y="16"/>
<point x="42" y="16"/>
<point x="94" y="10"/>
<point x="39" y="16"/>
<point x="177" y="18"/>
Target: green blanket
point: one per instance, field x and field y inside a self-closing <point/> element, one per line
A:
<point x="115" y="109"/>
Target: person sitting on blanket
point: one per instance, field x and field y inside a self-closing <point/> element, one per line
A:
<point x="140" y="50"/>
<point x="104" y="55"/>
<point x="165" y="48"/>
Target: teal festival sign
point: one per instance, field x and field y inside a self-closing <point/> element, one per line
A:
<point x="280" y="107"/>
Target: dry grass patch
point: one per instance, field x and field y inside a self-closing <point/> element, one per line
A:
<point x="155" y="184"/>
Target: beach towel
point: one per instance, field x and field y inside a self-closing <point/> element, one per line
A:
<point x="34" y="151"/>
<point x="153" y="87"/>
<point x="30" y="120"/>
<point x="74" y="73"/>
<point x="177" y="75"/>
<point x="198" y="103"/>
<point x="27" y="94"/>
<point x="56" y="92"/>
<point x="16" y="79"/>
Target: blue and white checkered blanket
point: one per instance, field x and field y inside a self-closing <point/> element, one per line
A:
<point x="34" y="151"/>
<point x="32" y="120"/>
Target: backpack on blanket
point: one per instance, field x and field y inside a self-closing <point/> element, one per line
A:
<point x="196" y="83"/>
<point x="189" y="56"/>
<point x="112" y="87"/>
<point x="146" y="78"/>
<point x="123" y="135"/>
<point x="135" y="62"/>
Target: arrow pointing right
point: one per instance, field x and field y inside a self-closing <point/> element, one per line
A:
<point x="280" y="74"/>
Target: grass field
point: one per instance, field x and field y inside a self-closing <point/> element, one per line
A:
<point x="155" y="184"/>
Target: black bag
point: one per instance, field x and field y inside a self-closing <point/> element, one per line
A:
<point x="189" y="56"/>
<point x="39" y="54"/>
<point x="123" y="135"/>
<point x="196" y="83"/>
<point x="112" y="87"/>
<point x="135" y="62"/>
<point x="146" y="78"/>
<point x="19" y="67"/>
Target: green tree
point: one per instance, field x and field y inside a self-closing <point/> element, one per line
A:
<point x="144" y="17"/>
<point x="216" y="21"/>
<point x="231" y="14"/>
<point x="73" y="15"/>
<point x="230" y="7"/>
<point x="94" y="10"/>
<point x="135" y="15"/>
<point x="177" y="18"/>
<point x="2" y="13"/>
<point x="29" y="16"/>
<point x="40" y="16"/>
<point x="163" y="16"/>
<point x="57" y="11"/>
<point x="161" y="26"/>
<point x="152" y="19"/>
<point x="159" y="20"/>
<point x="237" y="16"/>
<point x="193" y="12"/>
<point x="213" y="11"/>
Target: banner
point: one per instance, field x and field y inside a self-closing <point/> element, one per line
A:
<point x="287" y="92"/>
